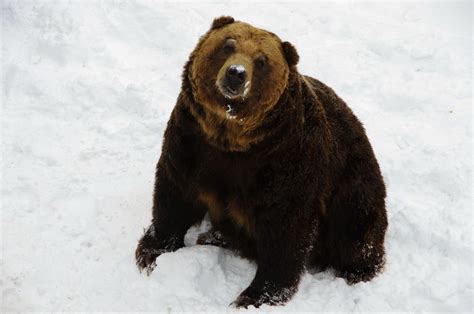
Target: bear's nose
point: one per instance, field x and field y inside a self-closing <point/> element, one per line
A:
<point x="236" y="75"/>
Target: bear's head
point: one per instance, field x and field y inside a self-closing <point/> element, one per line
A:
<point x="239" y="72"/>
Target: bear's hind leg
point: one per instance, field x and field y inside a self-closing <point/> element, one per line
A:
<point x="359" y="250"/>
<point x="356" y="226"/>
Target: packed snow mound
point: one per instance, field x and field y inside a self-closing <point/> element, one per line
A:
<point x="87" y="89"/>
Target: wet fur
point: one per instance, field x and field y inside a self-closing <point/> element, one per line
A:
<point x="299" y="188"/>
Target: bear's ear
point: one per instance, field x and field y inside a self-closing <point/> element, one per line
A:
<point x="290" y="53"/>
<point x="221" y="21"/>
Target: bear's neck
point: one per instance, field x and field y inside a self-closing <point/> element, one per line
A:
<point x="283" y="122"/>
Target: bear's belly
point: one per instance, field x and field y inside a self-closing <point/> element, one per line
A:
<point x="227" y="184"/>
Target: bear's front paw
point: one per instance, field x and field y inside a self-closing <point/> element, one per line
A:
<point x="146" y="258"/>
<point x="150" y="247"/>
<point x="212" y="237"/>
<point x="267" y="293"/>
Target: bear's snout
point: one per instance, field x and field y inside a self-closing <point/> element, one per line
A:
<point x="235" y="76"/>
<point x="233" y="79"/>
<point x="234" y="83"/>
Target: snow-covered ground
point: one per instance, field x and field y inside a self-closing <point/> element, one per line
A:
<point x="87" y="89"/>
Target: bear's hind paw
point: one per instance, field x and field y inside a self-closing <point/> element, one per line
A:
<point x="353" y="277"/>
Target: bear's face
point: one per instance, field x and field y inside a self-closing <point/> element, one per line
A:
<point x="239" y="72"/>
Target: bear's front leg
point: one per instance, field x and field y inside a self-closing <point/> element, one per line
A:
<point x="173" y="215"/>
<point x="282" y="247"/>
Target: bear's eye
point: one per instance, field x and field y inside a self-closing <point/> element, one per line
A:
<point x="229" y="45"/>
<point x="261" y="61"/>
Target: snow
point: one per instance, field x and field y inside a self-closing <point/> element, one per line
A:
<point x="87" y="89"/>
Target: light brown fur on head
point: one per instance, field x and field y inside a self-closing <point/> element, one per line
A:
<point x="229" y="122"/>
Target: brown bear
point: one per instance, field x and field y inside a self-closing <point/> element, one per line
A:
<point x="279" y="162"/>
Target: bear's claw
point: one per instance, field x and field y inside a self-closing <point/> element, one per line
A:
<point x="150" y="247"/>
<point x="268" y="293"/>
<point x="244" y="301"/>
<point x="212" y="237"/>
<point x="146" y="259"/>
<point x="355" y="276"/>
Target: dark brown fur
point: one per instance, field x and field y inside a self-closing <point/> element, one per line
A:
<point x="294" y="184"/>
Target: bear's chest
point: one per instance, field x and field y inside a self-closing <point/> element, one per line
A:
<point x="226" y="171"/>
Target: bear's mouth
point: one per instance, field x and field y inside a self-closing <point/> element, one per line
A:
<point x="230" y="92"/>
<point x="233" y="93"/>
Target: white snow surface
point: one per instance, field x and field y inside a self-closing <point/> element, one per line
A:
<point x="88" y="87"/>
